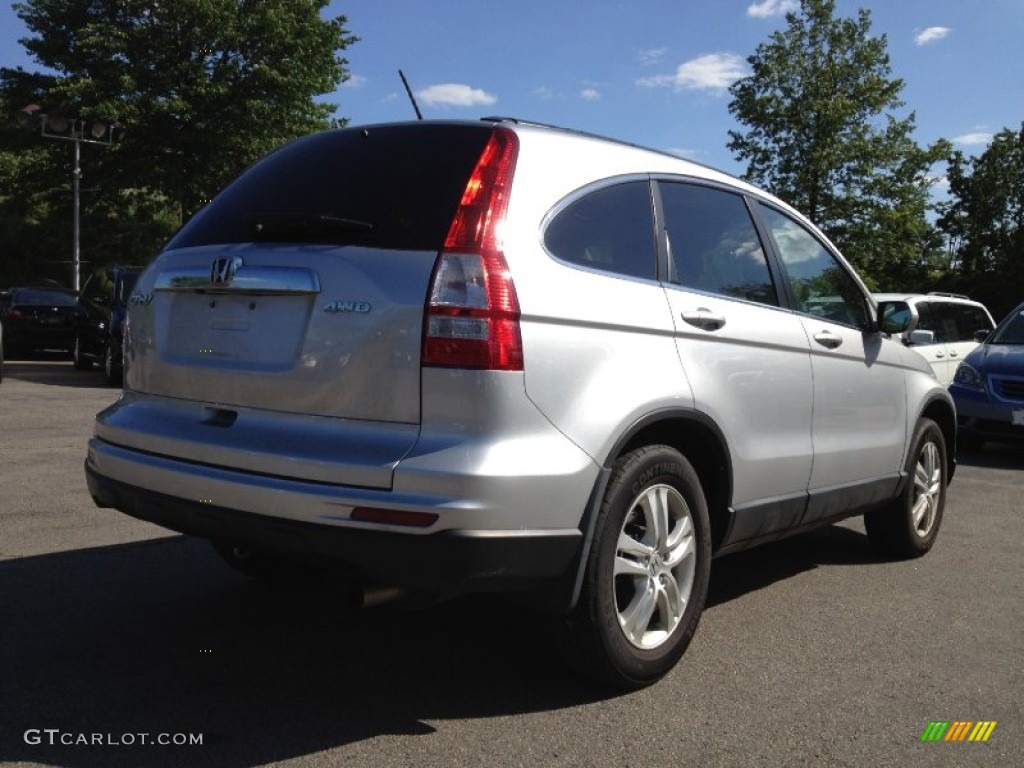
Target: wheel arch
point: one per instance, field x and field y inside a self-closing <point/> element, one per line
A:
<point x="943" y="414"/>
<point x="702" y="443"/>
<point x="696" y="437"/>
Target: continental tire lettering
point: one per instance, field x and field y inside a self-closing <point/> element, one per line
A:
<point x="650" y="473"/>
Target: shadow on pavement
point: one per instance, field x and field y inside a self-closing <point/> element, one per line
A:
<point x="53" y="371"/>
<point x="993" y="456"/>
<point x="160" y="637"/>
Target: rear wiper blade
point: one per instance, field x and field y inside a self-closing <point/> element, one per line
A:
<point x="305" y="226"/>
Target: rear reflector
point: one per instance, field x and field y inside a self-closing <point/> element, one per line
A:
<point x="472" y="319"/>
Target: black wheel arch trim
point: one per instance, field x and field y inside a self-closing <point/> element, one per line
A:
<point x="651" y="421"/>
<point x="942" y="407"/>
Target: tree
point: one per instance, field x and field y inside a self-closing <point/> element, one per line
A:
<point x="202" y="87"/>
<point x="984" y="221"/>
<point x="35" y="212"/>
<point x="823" y="135"/>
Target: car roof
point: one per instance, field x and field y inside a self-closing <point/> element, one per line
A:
<point x="935" y="296"/>
<point x="658" y="160"/>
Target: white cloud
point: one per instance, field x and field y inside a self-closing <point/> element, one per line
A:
<point x="974" y="139"/>
<point x="686" y="154"/>
<point x="712" y="71"/>
<point x="543" y="92"/>
<point x="454" y="95"/>
<point x="651" y="55"/>
<point x="589" y="94"/>
<point x="354" y="81"/>
<point x="767" y="8"/>
<point x="931" y="34"/>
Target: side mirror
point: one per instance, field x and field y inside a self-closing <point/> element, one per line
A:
<point x="980" y="336"/>
<point x="920" y="337"/>
<point x="896" y="317"/>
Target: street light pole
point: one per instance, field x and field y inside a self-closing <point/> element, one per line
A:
<point x="57" y="126"/>
<point x="76" y="264"/>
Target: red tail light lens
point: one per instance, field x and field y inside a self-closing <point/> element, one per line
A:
<point x="472" y="318"/>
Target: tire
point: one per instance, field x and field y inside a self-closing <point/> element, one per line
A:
<point x="907" y="526"/>
<point x="81" y="364"/>
<point x="647" y="571"/>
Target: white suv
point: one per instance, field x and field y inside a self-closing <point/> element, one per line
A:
<point x="497" y="356"/>
<point x="946" y="327"/>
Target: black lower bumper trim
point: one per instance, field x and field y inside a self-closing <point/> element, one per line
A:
<point x="447" y="562"/>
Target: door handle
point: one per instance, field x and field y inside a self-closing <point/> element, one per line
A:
<point x="952" y="353"/>
<point x="704" y="319"/>
<point x="940" y="354"/>
<point x="828" y="339"/>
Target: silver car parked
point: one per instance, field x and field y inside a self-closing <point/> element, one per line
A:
<point x="497" y="356"/>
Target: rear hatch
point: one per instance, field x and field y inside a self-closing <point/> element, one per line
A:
<point x="42" y="312"/>
<point x="301" y="288"/>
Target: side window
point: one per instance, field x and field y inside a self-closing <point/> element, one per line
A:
<point x="611" y="229"/>
<point x="821" y="285"/>
<point x="927" y="320"/>
<point x="948" y="330"/>
<point x="971" y="320"/>
<point x="713" y="244"/>
<point x="97" y="286"/>
<point x="92" y="289"/>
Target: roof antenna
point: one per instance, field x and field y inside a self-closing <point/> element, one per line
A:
<point x="408" y="90"/>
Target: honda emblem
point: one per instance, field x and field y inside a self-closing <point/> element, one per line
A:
<point x="223" y="270"/>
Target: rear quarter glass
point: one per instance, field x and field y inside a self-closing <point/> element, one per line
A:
<point x="404" y="181"/>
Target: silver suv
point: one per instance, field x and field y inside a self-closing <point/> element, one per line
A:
<point x="497" y="356"/>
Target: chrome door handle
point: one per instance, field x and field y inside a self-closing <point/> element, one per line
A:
<point x="704" y="319"/>
<point x="828" y="339"/>
<point x="940" y="354"/>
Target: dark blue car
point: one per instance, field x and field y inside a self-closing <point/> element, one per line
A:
<point x="989" y="386"/>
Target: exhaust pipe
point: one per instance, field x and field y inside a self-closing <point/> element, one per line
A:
<point x="373" y="596"/>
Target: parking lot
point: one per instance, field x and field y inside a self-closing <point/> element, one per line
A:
<point x="812" y="651"/>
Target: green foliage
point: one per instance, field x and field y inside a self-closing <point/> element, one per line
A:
<point x="984" y="221"/>
<point x="822" y="133"/>
<point x="202" y="87"/>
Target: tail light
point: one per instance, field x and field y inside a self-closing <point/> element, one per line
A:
<point x="472" y="318"/>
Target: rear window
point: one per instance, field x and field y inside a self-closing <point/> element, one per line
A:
<point x="393" y="187"/>
<point x="611" y="229"/>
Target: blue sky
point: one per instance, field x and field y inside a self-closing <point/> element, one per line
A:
<point x="652" y="71"/>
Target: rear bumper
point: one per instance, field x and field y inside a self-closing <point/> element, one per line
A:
<point x="446" y="562"/>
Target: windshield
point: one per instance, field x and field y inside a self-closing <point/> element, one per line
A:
<point x="1011" y="330"/>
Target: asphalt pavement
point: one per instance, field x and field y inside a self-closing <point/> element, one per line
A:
<point x="116" y="635"/>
